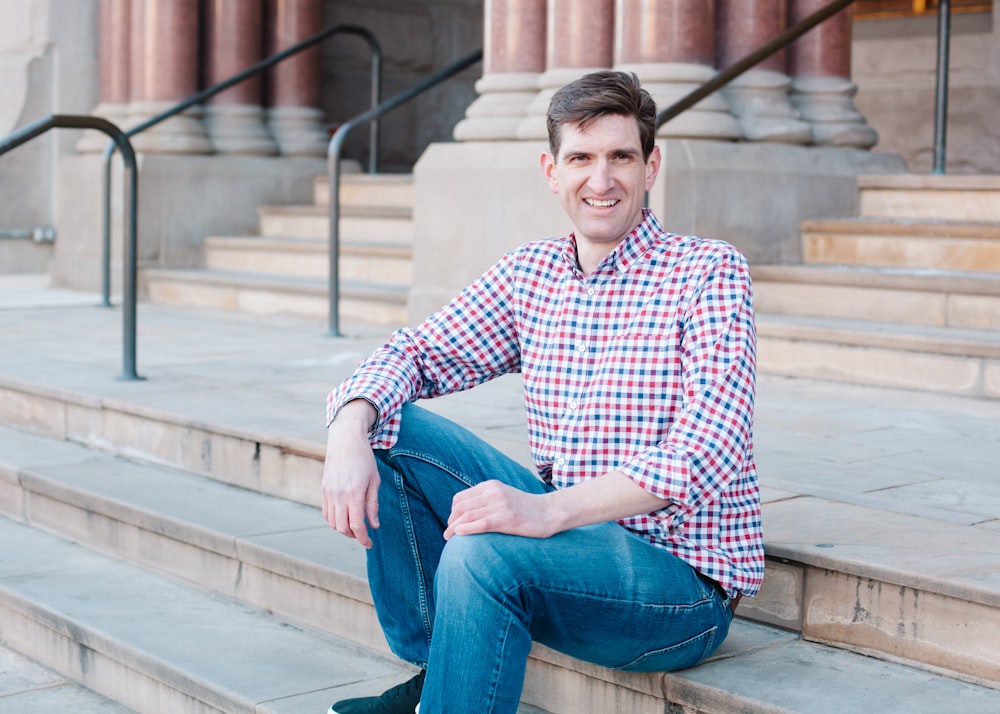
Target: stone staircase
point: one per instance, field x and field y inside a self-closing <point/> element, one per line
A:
<point x="283" y="271"/>
<point x="907" y="295"/>
<point x="171" y="555"/>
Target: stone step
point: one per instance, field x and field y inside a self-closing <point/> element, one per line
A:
<point x="941" y="197"/>
<point x="934" y="359"/>
<point x="935" y="245"/>
<point x="900" y="296"/>
<point x="395" y="190"/>
<point x="379" y="224"/>
<point x="156" y="645"/>
<point x="262" y="556"/>
<point x="259" y="294"/>
<point x="385" y="263"/>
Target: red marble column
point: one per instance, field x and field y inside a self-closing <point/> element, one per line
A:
<point x="513" y="60"/>
<point x="167" y="40"/>
<point x="579" y="39"/>
<point x="758" y="97"/>
<point x="114" y="62"/>
<point x="822" y="90"/>
<point x="294" y="85"/>
<point x="235" y="117"/>
<point x="670" y="45"/>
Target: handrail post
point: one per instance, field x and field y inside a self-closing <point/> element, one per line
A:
<point x="106" y="229"/>
<point x="333" y="170"/>
<point x="941" y="100"/>
<point x="333" y="173"/>
<point x="120" y="138"/>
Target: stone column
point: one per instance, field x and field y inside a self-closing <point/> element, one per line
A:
<point x="822" y="90"/>
<point x="235" y="117"/>
<point x="758" y="97"/>
<point x="293" y="86"/>
<point x="114" y="60"/>
<point x="579" y="37"/>
<point x="165" y="43"/>
<point x="670" y="45"/>
<point x="513" y="60"/>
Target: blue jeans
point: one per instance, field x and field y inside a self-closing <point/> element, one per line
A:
<point x="468" y="609"/>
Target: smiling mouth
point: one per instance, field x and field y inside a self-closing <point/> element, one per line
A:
<point x="601" y="204"/>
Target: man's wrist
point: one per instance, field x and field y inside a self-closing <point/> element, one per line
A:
<point x="357" y="413"/>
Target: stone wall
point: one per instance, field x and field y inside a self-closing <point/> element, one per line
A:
<point x="894" y="65"/>
<point x="418" y="37"/>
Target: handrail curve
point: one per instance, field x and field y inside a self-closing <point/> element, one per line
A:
<point x="333" y="169"/>
<point x="129" y="258"/>
<point x="264" y="64"/>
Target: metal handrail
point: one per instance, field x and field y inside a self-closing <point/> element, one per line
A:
<point x="941" y="94"/>
<point x="129" y="260"/>
<point x="333" y="169"/>
<point x="800" y="28"/>
<point x="376" y="94"/>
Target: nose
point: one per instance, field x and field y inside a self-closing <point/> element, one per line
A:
<point x="601" y="180"/>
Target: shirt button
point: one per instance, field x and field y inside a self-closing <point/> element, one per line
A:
<point x="561" y="461"/>
<point x="573" y="405"/>
<point x="581" y="348"/>
<point x="591" y="291"/>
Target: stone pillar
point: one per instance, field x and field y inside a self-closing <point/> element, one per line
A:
<point x="165" y="42"/>
<point x="114" y="60"/>
<point x="822" y="90"/>
<point x="293" y="86"/>
<point x="670" y="45"/>
<point x="235" y="117"/>
<point x="758" y="97"/>
<point x="513" y="60"/>
<point x="579" y="37"/>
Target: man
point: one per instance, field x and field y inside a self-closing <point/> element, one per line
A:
<point x="637" y="353"/>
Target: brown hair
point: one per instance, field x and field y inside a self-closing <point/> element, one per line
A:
<point x="600" y="94"/>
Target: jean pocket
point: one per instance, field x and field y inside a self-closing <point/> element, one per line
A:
<point x="680" y="656"/>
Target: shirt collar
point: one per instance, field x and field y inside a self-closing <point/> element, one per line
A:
<point x="632" y="248"/>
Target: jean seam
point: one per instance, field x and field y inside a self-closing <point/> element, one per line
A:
<point x="415" y="554"/>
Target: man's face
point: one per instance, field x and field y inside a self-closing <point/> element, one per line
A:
<point x="601" y="179"/>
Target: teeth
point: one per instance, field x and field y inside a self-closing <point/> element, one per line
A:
<point x="601" y="204"/>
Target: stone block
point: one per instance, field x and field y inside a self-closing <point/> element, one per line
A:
<point x="917" y="625"/>
<point x="977" y="312"/>
<point x="32" y="412"/>
<point x="779" y="601"/>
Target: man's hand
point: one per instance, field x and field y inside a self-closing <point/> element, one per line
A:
<point x="350" y="476"/>
<point x="495" y="507"/>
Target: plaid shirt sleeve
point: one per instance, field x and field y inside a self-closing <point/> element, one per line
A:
<point x="469" y="341"/>
<point x="704" y="448"/>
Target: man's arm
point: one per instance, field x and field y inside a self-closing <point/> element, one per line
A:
<point x="350" y="476"/>
<point x="496" y="507"/>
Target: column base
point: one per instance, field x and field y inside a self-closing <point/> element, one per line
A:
<point x="759" y="100"/>
<point x="498" y="112"/>
<point x="180" y="134"/>
<point x="669" y="83"/>
<point x="93" y="141"/>
<point x="239" y="129"/>
<point x="533" y="127"/>
<point x="298" y="131"/>
<point x="827" y="104"/>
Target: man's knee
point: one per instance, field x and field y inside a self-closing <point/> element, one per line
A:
<point x="482" y="564"/>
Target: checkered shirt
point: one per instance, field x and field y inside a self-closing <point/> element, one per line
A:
<point x="646" y="367"/>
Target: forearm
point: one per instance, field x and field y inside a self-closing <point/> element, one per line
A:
<point x="610" y="497"/>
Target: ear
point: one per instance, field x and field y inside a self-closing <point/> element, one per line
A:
<point x="652" y="167"/>
<point x="548" y="163"/>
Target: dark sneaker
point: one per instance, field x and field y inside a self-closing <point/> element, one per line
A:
<point x="402" y="699"/>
